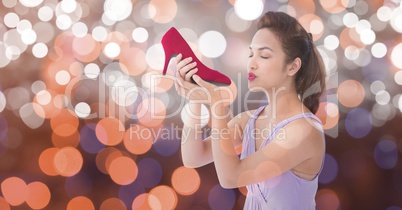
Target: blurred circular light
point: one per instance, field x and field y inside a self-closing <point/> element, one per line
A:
<point x="352" y="52"/>
<point x="24" y="25"/>
<point x="396" y="19"/>
<point x="68" y="6"/>
<point x="235" y="23"/>
<point x="400" y="103"/>
<point x="30" y="114"/>
<point x="398" y="77"/>
<point x="9" y="4"/>
<point x="99" y="33"/>
<point x="2" y="101"/>
<point x="187" y="116"/>
<point x="331" y="42"/>
<point x="92" y="70"/>
<point x="28" y="36"/>
<point x="124" y="92"/>
<point x="361" y="8"/>
<point x="80" y="29"/>
<point x="31" y="3"/>
<point x="39" y="50"/>
<point x="358" y="122"/>
<point x="382" y="97"/>
<point x="62" y="77"/>
<point x="212" y="44"/>
<point x="220" y="198"/>
<point x="384" y="13"/>
<point x="386" y="154"/>
<point x="351" y="93"/>
<point x="367" y="36"/>
<point x="377" y="86"/>
<point x="45" y="13"/>
<point x="82" y="110"/>
<point x="112" y="50"/>
<point x="63" y="22"/>
<point x="11" y="19"/>
<point x="43" y="97"/>
<point x="117" y="10"/>
<point x="350" y="20"/>
<point x="362" y="25"/>
<point x="140" y="35"/>
<point x="155" y="56"/>
<point x="329" y="171"/>
<point x="249" y="9"/>
<point x="396" y="56"/>
<point x="379" y="50"/>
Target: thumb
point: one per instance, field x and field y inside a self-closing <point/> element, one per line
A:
<point x="197" y="79"/>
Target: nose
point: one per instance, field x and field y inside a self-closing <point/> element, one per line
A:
<point x="251" y="65"/>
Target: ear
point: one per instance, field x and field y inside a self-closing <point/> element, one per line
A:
<point x="294" y="67"/>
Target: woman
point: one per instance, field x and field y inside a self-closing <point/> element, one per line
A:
<point x="281" y="169"/>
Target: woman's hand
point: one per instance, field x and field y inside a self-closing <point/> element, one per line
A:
<point x="202" y="91"/>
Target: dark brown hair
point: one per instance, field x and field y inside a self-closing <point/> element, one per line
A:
<point x="296" y="42"/>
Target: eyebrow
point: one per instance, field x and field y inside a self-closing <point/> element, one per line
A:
<point x="263" y="48"/>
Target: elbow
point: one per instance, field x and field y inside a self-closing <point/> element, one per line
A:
<point x="227" y="183"/>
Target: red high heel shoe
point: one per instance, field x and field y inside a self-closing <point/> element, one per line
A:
<point x="173" y="43"/>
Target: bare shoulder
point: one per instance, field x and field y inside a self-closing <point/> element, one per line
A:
<point x="241" y="119"/>
<point x="305" y="130"/>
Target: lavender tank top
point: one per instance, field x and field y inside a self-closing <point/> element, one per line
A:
<point x="286" y="191"/>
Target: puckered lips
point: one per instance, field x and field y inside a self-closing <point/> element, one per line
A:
<point x="251" y="76"/>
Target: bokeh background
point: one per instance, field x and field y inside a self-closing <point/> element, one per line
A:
<point x="87" y="121"/>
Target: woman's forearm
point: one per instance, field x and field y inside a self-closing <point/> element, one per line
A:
<point x="195" y="151"/>
<point x="224" y="154"/>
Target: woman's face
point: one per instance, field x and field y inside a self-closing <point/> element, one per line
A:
<point x="266" y="65"/>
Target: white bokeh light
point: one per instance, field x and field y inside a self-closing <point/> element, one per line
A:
<point x="45" y="13"/>
<point x="124" y="92"/>
<point x="350" y="20"/>
<point x="80" y="29"/>
<point x="377" y="86"/>
<point x="112" y="50"/>
<point x="155" y="56"/>
<point x="28" y="36"/>
<point x="352" y="52"/>
<point x="24" y="25"/>
<point x="11" y="19"/>
<point x="249" y="9"/>
<point x="68" y="6"/>
<point x="384" y="13"/>
<point x="99" y="33"/>
<point x="212" y="44"/>
<point x="398" y="77"/>
<point x="331" y="42"/>
<point x="40" y="50"/>
<point x="31" y="3"/>
<point x="187" y="116"/>
<point x="396" y="20"/>
<point x="62" y="77"/>
<point x="2" y="101"/>
<point x="400" y="104"/>
<point x="140" y="35"/>
<point x="92" y="70"/>
<point x="31" y="113"/>
<point x="63" y="22"/>
<point x="43" y="97"/>
<point x="38" y="86"/>
<point x="367" y="37"/>
<point x="235" y="23"/>
<point x="379" y="50"/>
<point x="396" y="56"/>
<point x="362" y="25"/>
<point x="117" y="10"/>
<point x="82" y="110"/>
<point x="382" y="97"/>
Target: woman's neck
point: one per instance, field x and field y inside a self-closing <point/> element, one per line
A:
<point x="282" y="102"/>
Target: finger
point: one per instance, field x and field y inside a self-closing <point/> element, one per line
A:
<point x="178" y="58"/>
<point x="184" y="62"/>
<point x="190" y="73"/>
<point x="197" y="79"/>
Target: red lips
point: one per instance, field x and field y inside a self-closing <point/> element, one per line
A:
<point x="251" y="76"/>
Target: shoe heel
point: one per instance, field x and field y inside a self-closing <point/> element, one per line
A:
<point x="168" y="55"/>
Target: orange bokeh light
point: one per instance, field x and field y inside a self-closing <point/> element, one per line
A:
<point x="351" y="93"/>
<point x="133" y="60"/>
<point x="138" y="139"/>
<point x="48" y="110"/>
<point x="327" y="199"/>
<point x="65" y="123"/>
<point x="46" y="161"/>
<point x="66" y="141"/>
<point x="105" y="157"/>
<point x="79" y="203"/>
<point x="334" y="6"/>
<point x="164" y="198"/>
<point x="14" y="190"/>
<point x="185" y="181"/>
<point x="141" y="202"/>
<point x="164" y="10"/>
<point x="68" y="161"/>
<point x="302" y="7"/>
<point x="350" y="37"/>
<point x="313" y="24"/>
<point x="112" y="204"/>
<point x="110" y="131"/>
<point x="86" y="49"/>
<point x="151" y="112"/>
<point x="123" y="170"/>
<point x="4" y="204"/>
<point x="38" y="196"/>
<point x="328" y="113"/>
